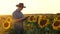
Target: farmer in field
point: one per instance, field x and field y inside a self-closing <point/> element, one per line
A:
<point x="18" y="19"/>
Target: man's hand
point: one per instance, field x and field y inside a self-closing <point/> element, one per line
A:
<point x="25" y="18"/>
<point x="20" y="19"/>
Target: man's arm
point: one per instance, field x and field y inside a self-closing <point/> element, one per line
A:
<point x="19" y="19"/>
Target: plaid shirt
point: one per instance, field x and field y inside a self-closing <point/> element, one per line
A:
<point x="18" y="14"/>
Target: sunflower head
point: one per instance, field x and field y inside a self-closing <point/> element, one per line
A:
<point x="42" y="21"/>
<point x="32" y="19"/>
<point x="57" y="23"/>
<point x="9" y="18"/>
<point x="6" y="25"/>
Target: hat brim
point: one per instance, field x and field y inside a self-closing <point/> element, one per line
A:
<point x="20" y="6"/>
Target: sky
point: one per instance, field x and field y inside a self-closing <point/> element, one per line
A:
<point x="7" y="7"/>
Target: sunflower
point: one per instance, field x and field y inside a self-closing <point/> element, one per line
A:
<point x="59" y="26"/>
<point x="6" y="25"/>
<point x="42" y="21"/>
<point x="32" y="19"/>
<point x="56" y="24"/>
<point x="57" y="18"/>
<point x="2" y="18"/>
<point x="9" y="18"/>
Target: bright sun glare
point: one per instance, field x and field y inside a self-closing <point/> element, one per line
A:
<point x="32" y="6"/>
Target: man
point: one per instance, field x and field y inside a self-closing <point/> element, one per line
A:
<point x="18" y="19"/>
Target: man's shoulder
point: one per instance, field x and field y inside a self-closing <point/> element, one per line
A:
<point x="14" y="12"/>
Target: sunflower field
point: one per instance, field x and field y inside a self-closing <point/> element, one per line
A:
<point x="35" y="24"/>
